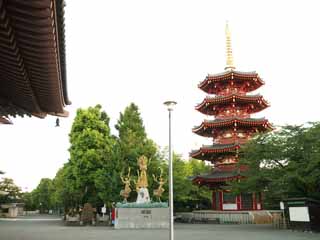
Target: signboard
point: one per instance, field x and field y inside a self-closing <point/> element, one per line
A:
<point x="103" y="209"/>
<point x="299" y="214"/>
<point x="281" y="205"/>
<point x="229" y="206"/>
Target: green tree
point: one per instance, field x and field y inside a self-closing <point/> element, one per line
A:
<point x="90" y="151"/>
<point x="187" y="196"/>
<point x="29" y="201"/>
<point x="14" y="192"/>
<point x="42" y="195"/>
<point x="284" y="163"/>
<point x="133" y="142"/>
<point x="200" y="197"/>
<point x="66" y="194"/>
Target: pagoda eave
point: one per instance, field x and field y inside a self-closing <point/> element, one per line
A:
<point x="211" y="153"/>
<point x="207" y="128"/>
<point x="216" y="177"/>
<point x="210" y="105"/>
<point x="207" y="85"/>
<point x="201" y="181"/>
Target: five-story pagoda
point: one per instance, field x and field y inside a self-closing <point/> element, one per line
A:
<point x="232" y="126"/>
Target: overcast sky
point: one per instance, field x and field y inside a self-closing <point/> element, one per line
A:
<point x="147" y="52"/>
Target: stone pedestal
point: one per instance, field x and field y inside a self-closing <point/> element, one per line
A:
<point x="143" y="196"/>
<point x="142" y="218"/>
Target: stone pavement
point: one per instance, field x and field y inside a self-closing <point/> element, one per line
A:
<point x="51" y="228"/>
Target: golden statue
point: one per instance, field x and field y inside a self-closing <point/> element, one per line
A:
<point x="126" y="181"/>
<point x="158" y="192"/>
<point x="142" y="176"/>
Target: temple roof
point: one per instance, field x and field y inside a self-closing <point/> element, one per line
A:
<point x="4" y="120"/>
<point x="216" y="176"/>
<point x="207" y="127"/>
<point x="208" y="83"/>
<point x="209" y="103"/>
<point x="211" y="152"/>
<point x="32" y="58"/>
<point x="219" y="177"/>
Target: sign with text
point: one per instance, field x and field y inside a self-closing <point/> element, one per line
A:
<point x="299" y="214"/>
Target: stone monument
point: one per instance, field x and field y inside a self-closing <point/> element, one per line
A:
<point x="143" y="213"/>
<point x="87" y="215"/>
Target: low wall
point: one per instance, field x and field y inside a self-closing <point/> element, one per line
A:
<point x="140" y="218"/>
<point x="224" y="217"/>
<point x="238" y="217"/>
<point x="36" y="212"/>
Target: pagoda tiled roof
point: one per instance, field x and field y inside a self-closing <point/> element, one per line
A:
<point x="32" y="58"/>
<point x="211" y="152"/>
<point x="206" y="127"/>
<point x="232" y="75"/>
<point x="216" y="176"/>
<point x="216" y="148"/>
<point x="211" y="101"/>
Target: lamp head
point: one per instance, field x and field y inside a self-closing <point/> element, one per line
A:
<point x="170" y="105"/>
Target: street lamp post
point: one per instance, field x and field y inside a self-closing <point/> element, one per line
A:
<point x="170" y="105"/>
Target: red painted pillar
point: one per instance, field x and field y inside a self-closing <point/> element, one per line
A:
<point x="214" y="207"/>
<point x="254" y="201"/>
<point x="238" y="199"/>
<point x="221" y="199"/>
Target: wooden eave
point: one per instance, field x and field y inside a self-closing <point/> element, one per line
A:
<point x="212" y="152"/>
<point x="32" y="58"/>
<point x="228" y="76"/>
<point x="207" y="105"/>
<point x="211" y="178"/>
<point x="4" y="120"/>
<point x="207" y="127"/>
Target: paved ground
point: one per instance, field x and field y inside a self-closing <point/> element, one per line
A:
<point x="51" y="228"/>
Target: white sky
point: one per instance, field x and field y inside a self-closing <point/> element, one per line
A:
<point x="148" y="51"/>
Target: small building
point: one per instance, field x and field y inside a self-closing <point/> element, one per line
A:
<point x="11" y="210"/>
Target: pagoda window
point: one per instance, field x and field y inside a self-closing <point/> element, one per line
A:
<point x="246" y="201"/>
<point x="241" y="135"/>
<point x="229" y="197"/>
<point x="258" y="197"/>
<point x="227" y="135"/>
<point x="229" y="160"/>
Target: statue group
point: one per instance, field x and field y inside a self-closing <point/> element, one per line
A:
<point x="141" y="184"/>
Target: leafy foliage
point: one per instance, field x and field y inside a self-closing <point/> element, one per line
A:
<point x="283" y="163"/>
<point x="42" y="195"/>
<point x="186" y="195"/>
<point x="90" y="151"/>
<point x="14" y="193"/>
<point x="97" y="159"/>
<point x="133" y="142"/>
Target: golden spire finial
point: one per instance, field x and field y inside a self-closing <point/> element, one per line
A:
<point x="229" y="49"/>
